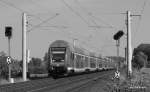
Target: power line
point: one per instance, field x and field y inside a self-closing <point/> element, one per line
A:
<point x="104" y="13"/>
<point x="109" y="25"/>
<point x="12" y="5"/>
<point x="85" y="10"/>
<point x="143" y="7"/>
<point x="56" y="26"/>
<point x="91" y="15"/>
<point x="41" y="6"/>
<point x="36" y="4"/>
<point x="38" y="25"/>
<point x="69" y="7"/>
<point x="140" y="18"/>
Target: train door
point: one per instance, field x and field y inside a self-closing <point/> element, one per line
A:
<point x="74" y="61"/>
<point x="100" y="64"/>
<point x="96" y="60"/>
<point x="86" y="62"/>
<point x="82" y="62"/>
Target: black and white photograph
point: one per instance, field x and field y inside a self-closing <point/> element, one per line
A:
<point x="74" y="46"/>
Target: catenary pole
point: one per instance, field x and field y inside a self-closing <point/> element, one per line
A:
<point x="129" y="48"/>
<point x="28" y="60"/>
<point x="24" y="27"/>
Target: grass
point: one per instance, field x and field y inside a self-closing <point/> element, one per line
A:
<point x="139" y="82"/>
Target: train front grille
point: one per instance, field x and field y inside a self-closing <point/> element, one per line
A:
<point x="60" y="69"/>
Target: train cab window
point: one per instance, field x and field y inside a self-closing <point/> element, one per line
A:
<point x="58" y="57"/>
<point x="58" y="54"/>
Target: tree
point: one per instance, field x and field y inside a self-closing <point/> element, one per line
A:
<point x="3" y="65"/>
<point x="45" y="59"/>
<point x="36" y="66"/>
<point x="2" y="54"/>
<point x="139" y="60"/>
<point x="145" y="48"/>
<point x="36" y="62"/>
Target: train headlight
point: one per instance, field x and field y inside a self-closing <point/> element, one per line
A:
<point x="53" y="60"/>
<point x="57" y="65"/>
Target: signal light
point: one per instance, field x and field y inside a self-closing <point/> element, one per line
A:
<point x="8" y="31"/>
<point x="118" y="35"/>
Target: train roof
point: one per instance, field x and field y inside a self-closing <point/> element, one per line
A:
<point x="75" y="49"/>
<point x="63" y="43"/>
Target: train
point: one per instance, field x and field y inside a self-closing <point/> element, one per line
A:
<point x="64" y="58"/>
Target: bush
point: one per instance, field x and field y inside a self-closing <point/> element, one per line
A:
<point x="3" y="67"/>
<point x="37" y="70"/>
<point x="139" y="60"/>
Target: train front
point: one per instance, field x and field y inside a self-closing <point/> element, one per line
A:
<point x="57" y="61"/>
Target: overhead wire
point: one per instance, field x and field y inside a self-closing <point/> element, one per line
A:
<point x="41" y="6"/>
<point x="12" y="5"/>
<point x="75" y="12"/>
<point x="35" y="3"/>
<point x="94" y="18"/>
<point x="91" y="15"/>
<point x="85" y="10"/>
<point x="28" y="14"/>
<point x="108" y="25"/>
<point x="39" y="18"/>
<point x="46" y="20"/>
<point x="43" y="21"/>
<point x="141" y="15"/>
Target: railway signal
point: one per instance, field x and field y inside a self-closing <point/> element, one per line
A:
<point x="8" y="33"/>
<point x="118" y="35"/>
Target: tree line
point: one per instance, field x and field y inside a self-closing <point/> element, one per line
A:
<point x="35" y="66"/>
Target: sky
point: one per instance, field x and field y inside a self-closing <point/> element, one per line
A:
<point x="92" y="22"/>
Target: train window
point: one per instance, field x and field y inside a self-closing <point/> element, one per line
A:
<point x="100" y="65"/>
<point x="72" y="56"/>
<point x="78" y="59"/>
<point x="86" y="61"/>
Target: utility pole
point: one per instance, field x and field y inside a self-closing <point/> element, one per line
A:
<point x="28" y="56"/>
<point x="28" y="59"/>
<point x="129" y="46"/>
<point x="24" y="30"/>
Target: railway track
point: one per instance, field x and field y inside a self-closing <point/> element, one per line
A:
<point x="67" y="84"/>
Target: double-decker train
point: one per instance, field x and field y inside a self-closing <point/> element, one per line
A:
<point x="65" y="58"/>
